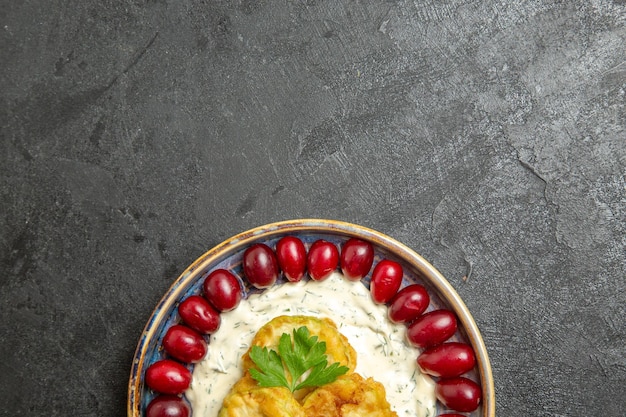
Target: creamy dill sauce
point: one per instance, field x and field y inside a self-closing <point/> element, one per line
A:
<point x="382" y="352"/>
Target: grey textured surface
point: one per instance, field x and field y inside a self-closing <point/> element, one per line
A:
<point x="489" y="136"/>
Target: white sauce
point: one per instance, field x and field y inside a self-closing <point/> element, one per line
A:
<point x="382" y="352"/>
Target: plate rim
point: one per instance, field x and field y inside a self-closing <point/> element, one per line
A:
<point x="434" y="277"/>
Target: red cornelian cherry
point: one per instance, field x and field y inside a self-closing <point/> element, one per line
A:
<point x="291" y="255"/>
<point x="168" y="377"/>
<point x="197" y="313"/>
<point x="408" y="304"/>
<point x="168" y="406"/>
<point x="322" y="259"/>
<point x="222" y="289"/>
<point x="386" y="279"/>
<point x="184" y="344"/>
<point x="432" y="328"/>
<point x="260" y="265"/>
<point x="460" y="394"/>
<point x="357" y="257"/>
<point x="447" y="360"/>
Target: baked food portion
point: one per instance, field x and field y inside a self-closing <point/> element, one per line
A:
<point x="350" y="395"/>
<point x="246" y="400"/>
<point x="338" y="349"/>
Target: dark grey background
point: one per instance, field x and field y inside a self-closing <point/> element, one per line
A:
<point x="489" y="136"/>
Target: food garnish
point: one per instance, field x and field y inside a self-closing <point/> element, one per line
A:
<point x="295" y="357"/>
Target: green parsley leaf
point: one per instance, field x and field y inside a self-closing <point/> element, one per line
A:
<point x="295" y="357"/>
<point x="273" y="374"/>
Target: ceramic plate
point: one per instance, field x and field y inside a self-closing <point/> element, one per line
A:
<point x="228" y="255"/>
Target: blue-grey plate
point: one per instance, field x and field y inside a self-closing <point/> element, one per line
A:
<point x="228" y="255"/>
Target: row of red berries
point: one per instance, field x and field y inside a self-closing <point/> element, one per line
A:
<point x="261" y="266"/>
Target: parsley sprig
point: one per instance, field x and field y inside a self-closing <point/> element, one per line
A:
<point x="288" y="366"/>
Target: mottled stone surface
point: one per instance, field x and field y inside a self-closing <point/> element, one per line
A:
<point x="489" y="136"/>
